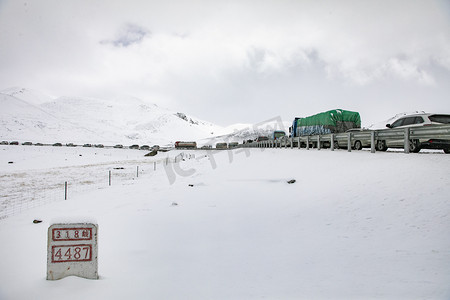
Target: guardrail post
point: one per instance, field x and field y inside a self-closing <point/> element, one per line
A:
<point x="318" y="142"/>
<point x="349" y="142"/>
<point x="332" y="142"/>
<point x="307" y="142"/>
<point x="406" y="143"/>
<point x="298" y="139"/>
<point x="372" y="142"/>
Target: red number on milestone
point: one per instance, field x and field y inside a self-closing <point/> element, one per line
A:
<point x="67" y="234"/>
<point x="58" y="253"/>
<point x="67" y="254"/>
<point x="58" y="234"/>
<point x="87" y="252"/>
<point x="76" y="233"/>
<point x="77" y="254"/>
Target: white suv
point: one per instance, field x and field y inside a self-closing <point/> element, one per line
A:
<point x="417" y="120"/>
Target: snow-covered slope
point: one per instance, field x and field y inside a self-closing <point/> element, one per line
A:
<point x="353" y="226"/>
<point x="30" y="116"/>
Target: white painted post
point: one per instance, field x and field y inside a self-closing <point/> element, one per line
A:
<point x="307" y="142"/>
<point x="332" y="142"/>
<point x="318" y="142"/>
<point x="72" y="249"/>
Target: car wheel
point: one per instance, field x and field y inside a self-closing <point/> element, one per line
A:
<point x="447" y="151"/>
<point x="380" y="146"/>
<point x="358" y="145"/>
<point x="414" y="146"/>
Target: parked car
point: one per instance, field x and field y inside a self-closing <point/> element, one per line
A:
<point x="118" y="146"/>
<point x="357" y="142"/>
<point x="27" y="143"/>
<point x="233" y="145"/>
<point x="14" y="143"/>
<point x="145" y="147"/>
<point x="415" y="145"/>
<point x="99" y="146"/>
<point x="221" y="146"/>
<point x="39" y="144"/>
<point x="57" y="145"/>
<point x="87" y="145"/>
<point x="4" y="143"/>
<point x="134" y="147"/>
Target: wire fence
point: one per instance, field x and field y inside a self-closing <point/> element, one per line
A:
<point x="23" y="190"/>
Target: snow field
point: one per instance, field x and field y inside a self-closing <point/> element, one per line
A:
<point x="353" y="226"/>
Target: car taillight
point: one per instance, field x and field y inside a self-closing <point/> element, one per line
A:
<point x="430" y="141"/>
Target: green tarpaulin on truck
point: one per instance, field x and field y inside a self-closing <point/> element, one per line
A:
<point x="332" y="121"/>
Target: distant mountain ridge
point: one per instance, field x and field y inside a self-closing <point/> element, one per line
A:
<point x="28" y="115"/>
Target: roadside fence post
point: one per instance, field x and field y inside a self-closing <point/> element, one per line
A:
<point x="372" y="142"/>
<point x="406" y="141"/>
<point x="349" y="142"/>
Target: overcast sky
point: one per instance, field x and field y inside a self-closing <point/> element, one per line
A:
<point x="235" y="61"/>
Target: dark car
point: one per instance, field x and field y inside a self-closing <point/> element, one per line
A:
<point x="87" y="145"/>
<point x="14" y="143"/>
<point x="57" y="145"/>
<point x="145" y="147"/>
<point x="134" y="147"/>
<point x="118" y="146"/>
<point x="27" y="143"/>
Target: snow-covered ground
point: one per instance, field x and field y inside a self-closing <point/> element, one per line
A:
<point x="353" y="226"/>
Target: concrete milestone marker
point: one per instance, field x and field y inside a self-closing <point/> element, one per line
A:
<point x="72" y="250"/>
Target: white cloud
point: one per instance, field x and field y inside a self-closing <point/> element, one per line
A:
<point x="192" y="52"/>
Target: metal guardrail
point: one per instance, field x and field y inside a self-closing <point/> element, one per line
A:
<point x="371" y="137"/>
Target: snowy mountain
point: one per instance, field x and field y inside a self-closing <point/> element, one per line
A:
<point x="243" y="132"/>
<point x="31" y="116"/>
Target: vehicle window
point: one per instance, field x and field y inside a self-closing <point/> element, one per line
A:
<point x="408" y="121"/>
<point x="418" y="120"/>
<point x="397" y="123"/>
<point x="444" y="119"/>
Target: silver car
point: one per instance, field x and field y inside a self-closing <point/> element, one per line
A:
<point x="417" y="120"/>
<point x="358" y="141"/>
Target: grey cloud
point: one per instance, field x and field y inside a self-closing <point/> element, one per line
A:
<point x="128" y="35"/>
